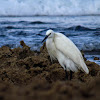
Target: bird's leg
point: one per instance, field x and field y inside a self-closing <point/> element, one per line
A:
<point x="71" y="73"/>
<point x="66" y="74"/>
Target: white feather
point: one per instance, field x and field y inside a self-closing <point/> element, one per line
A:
<point x="62" y="48"/>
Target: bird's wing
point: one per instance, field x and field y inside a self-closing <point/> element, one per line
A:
<point x="68" y="48"/>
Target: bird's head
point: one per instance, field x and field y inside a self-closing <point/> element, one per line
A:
<point x="49" y="34"/>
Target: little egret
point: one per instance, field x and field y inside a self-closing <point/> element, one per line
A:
<point x="65" y="51"/>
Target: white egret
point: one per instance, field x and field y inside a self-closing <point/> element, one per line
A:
<point x="65" y="51"/>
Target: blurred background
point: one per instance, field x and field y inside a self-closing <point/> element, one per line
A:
<point x="28" y="20"/>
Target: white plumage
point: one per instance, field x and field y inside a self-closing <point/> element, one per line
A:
<point x="64" y="50"/>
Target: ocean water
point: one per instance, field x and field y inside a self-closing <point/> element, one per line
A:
<point x="84" y="31"/>
<point x="29" y="20"/>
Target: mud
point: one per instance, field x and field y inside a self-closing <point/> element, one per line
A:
<point x="30" y="75"/>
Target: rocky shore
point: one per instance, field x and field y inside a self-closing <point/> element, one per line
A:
<point x="30" y="75"/>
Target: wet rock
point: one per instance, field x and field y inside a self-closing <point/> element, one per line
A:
<point x="96" y="58"/>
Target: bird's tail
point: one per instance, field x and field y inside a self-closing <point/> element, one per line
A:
<point x="84" y="67"/>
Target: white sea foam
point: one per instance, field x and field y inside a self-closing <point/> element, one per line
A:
<point x="49" y="7"/>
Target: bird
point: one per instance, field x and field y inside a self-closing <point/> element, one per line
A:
<point x="61" y="48"/>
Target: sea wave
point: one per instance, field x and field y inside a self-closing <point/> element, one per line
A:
<point x="49" y="7"/>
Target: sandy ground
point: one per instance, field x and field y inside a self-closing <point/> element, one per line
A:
<point x="29" y="75"/>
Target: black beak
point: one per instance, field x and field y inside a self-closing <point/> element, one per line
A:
<point x="45" y="38"/>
